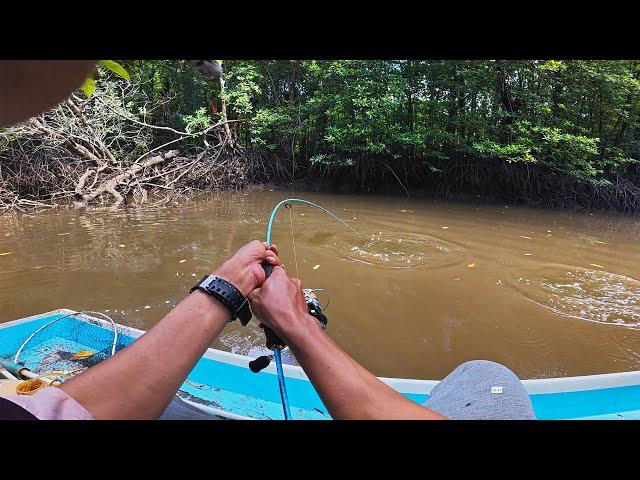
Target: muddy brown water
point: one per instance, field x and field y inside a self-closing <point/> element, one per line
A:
<point x="427" y="287"/>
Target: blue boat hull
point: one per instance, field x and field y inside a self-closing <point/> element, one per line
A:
<point x="222" y="384"/>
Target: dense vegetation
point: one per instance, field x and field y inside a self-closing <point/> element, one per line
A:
<point x="562" y="133"/>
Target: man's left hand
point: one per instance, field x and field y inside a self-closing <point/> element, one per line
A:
<point x="244" y="269"/>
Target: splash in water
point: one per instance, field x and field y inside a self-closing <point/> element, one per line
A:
<point x="585" y="294"/>
<point x="406" y="251"/>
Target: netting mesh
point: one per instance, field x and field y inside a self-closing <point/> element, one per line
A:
<point x="67" y="344"/>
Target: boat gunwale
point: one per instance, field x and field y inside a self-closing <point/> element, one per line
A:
<point x="403" y="385"/>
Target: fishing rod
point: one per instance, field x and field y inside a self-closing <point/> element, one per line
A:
<point x="273" y="342"/>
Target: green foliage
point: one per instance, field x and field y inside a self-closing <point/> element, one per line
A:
<point x="116" y="68"/>
<point x="197" y="122"/>
<point x="89" y="85"/>
<point x="574" y="117"/>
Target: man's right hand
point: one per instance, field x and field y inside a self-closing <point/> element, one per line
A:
<point x="279" y="303"/>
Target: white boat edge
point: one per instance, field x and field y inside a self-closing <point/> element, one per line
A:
<point x="405" y="385"/>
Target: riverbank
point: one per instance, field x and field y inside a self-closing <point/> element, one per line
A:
<point x="30" y="182"/>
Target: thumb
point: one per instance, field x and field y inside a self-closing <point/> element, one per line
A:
<point x="254" y="295"/>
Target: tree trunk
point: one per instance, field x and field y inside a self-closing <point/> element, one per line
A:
<point x="223" y="111"/>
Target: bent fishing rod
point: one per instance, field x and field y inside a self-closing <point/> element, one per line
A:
<point x="273" y="342"/>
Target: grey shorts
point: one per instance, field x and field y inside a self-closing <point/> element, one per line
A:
<point x="481" y="390"/>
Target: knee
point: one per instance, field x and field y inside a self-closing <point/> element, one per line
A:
<point x="485" y="368"/>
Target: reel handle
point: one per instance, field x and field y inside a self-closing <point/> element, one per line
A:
<point x="259" y="363"/>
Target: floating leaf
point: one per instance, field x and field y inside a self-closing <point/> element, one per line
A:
<point x="65" y="233"/>
<point x="524" y="236"/>
<point x="122" y="246"/>
<point x="81" y="355"/>
<point x="598" y="241"/>
<point x="596" y="265"/>
<point x="456" y="279"/>
<point x="7" y="234"/>
<point x="182" y="261"/>
<point x="528" y="254"/>
<point x="404" y="211"/>
<point x="445" y="228"/>
<point x="471" y="265"/>
<point x="5" y="253"/>
<point x="316" y="267"/>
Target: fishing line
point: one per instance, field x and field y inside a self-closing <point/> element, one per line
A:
<point x="306" y="202"/>
<point x="293" y="240"/>
<point x="276" y="351"/>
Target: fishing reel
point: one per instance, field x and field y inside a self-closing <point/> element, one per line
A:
<point x="314" y="308"/>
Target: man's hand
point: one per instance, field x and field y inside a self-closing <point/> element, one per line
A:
<point x="244" y="269"/>
<point x="280" y="305"/>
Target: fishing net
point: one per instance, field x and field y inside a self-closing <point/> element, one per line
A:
<point x="66" y="344"/>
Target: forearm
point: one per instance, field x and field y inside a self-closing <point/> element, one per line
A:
<point x="140" y="381"/>
<point x="346" y="388"/>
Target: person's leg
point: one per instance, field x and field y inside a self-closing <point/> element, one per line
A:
<point x="481" y="390"/>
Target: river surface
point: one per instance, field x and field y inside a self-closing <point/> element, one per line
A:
<point x="426" y="287"/>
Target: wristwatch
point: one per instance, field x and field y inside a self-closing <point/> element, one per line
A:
<point x="228" y="295"/>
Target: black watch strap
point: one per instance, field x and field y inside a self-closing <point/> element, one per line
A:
<point x="228" y="295"/>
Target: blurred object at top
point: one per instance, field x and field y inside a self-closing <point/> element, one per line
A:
<point x="209" y="68"/>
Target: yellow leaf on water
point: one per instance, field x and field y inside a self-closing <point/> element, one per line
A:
<point x="65" y="233"/>
<point x="5" y="253"/>
<point x="456" y="279"/>
<point x="524" y="236"/>
<point x="596" y="265"/>
<point x="182" y="261"/>
<point x="7" y="234"/>
<point x="598" y="241"/>
<point x="81" y="355"/>
<point x="30" y="225"/>
<point x="471" y="265"/>
<point x="445" y="228"/>
<point x="316" y="267"/>
<point x="121" y="245"/>
<point x="528" y="254"/>
<point x="403" y="211"/>
<point x="302" y="214"/>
